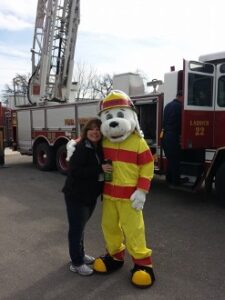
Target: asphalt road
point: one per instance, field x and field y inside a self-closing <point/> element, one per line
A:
<point x="185" y="231"/>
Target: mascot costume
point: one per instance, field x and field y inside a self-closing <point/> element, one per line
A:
<point x="124" y="196"/>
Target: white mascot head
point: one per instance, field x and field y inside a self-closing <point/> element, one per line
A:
<point x="118" y="116"/>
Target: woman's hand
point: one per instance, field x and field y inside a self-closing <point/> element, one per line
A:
<point x="107" y="168"/>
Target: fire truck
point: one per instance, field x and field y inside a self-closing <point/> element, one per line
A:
<point x="2" y="156"/>
<point x="203" y="119"/>
<point x="5" y="131"/>
<point x="46" y="116"/>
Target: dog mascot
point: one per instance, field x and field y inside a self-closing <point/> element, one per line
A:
<point x="124" y="197"/>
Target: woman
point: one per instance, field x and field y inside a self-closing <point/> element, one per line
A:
<point x="81" y="190"/>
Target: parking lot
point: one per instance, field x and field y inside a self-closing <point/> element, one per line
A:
<point x="186" y="232"/>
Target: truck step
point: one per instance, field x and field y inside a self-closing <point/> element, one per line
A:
<point x="191" y="168"/>
<point x="187" y="184"/>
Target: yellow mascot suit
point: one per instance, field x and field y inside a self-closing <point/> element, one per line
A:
<point x="124" y="196"/>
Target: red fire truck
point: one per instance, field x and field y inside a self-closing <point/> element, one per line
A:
<point x="203" y="120"/>
<point x="2" y="158"/>
<point x="5" y="131"/>
<point x="46" y="118"/>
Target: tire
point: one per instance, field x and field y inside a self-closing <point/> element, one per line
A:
<point x="2" y="157"/>
<point x="219" y="185"/>
<point x="61" y="163"/>
<point x="44" y="157"/>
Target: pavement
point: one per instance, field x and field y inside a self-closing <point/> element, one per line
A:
<point x="185" y="231"/>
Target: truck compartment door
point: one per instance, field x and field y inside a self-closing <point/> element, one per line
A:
<point x="219" y="140"/>
<point x="24" y="131"/>
<point x="199" y="102"/>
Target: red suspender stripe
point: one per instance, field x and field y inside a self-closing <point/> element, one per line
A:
<point x="121" y="155"/>
<point x="144" y="157"/>
<point x="144" y="184"/>
<point x="110" y="153"/>
<point x="128" y="156"/>
<point x="115" y="191"/>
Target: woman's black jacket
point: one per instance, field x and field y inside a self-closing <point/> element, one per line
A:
<point x="82" y="183"/>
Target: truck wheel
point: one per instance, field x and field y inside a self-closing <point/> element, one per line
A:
<point x="2" y="157"/>
<point x="219" y="184"/>
<point x="61" y="163"/>
<point x="44" y="157"/>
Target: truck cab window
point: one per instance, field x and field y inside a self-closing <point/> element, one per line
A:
<point x="200" y="67"/>
<point x="147" y="119"/>
<point x="221" y="92"/>
<point x="200" y="89"/>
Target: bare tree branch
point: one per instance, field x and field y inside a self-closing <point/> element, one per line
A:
<point x="102" y="85"/>
<point x="90" y="84"/>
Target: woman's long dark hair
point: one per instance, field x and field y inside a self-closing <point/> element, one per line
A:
<point x="94" y="122"/>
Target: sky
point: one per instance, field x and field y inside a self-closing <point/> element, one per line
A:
<point x="119" y="36"/>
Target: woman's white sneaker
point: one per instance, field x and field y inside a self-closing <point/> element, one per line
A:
<point x="88" y="259"/>
<point x="83" y="270"/>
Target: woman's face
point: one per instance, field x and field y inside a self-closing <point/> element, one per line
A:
<point x="94" y="134"/>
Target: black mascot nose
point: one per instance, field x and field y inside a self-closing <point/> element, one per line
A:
<point x="113" y="124"/>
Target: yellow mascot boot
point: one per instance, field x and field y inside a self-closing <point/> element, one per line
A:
<point x="107" y="264"/>
<point x="99" y="266"/>
<point x="142" y="276"/>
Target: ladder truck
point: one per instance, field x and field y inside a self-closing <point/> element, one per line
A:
<point x="5" y="131"/>
<point x="2" y="136"/>
<point x="203" y="119"/>
<point x="46" y="116"/>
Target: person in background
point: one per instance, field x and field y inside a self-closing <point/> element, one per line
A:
<point x="171" y="138"/>
<point x="82" y="187"/>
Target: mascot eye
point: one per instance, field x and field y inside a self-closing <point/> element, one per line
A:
<point x="109" y="116"/>
<point x="120" y="114"/>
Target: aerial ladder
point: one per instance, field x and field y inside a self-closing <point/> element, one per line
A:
<point x="53" y="50"/>
<point x="46" y="112"/>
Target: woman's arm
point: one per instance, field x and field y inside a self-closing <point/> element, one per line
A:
<point x="79" y="167"/>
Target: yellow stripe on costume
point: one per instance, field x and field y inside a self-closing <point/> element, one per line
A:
<point x="133" y="164"/>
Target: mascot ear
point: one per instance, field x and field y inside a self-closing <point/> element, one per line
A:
<point x="138" y="128"/>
